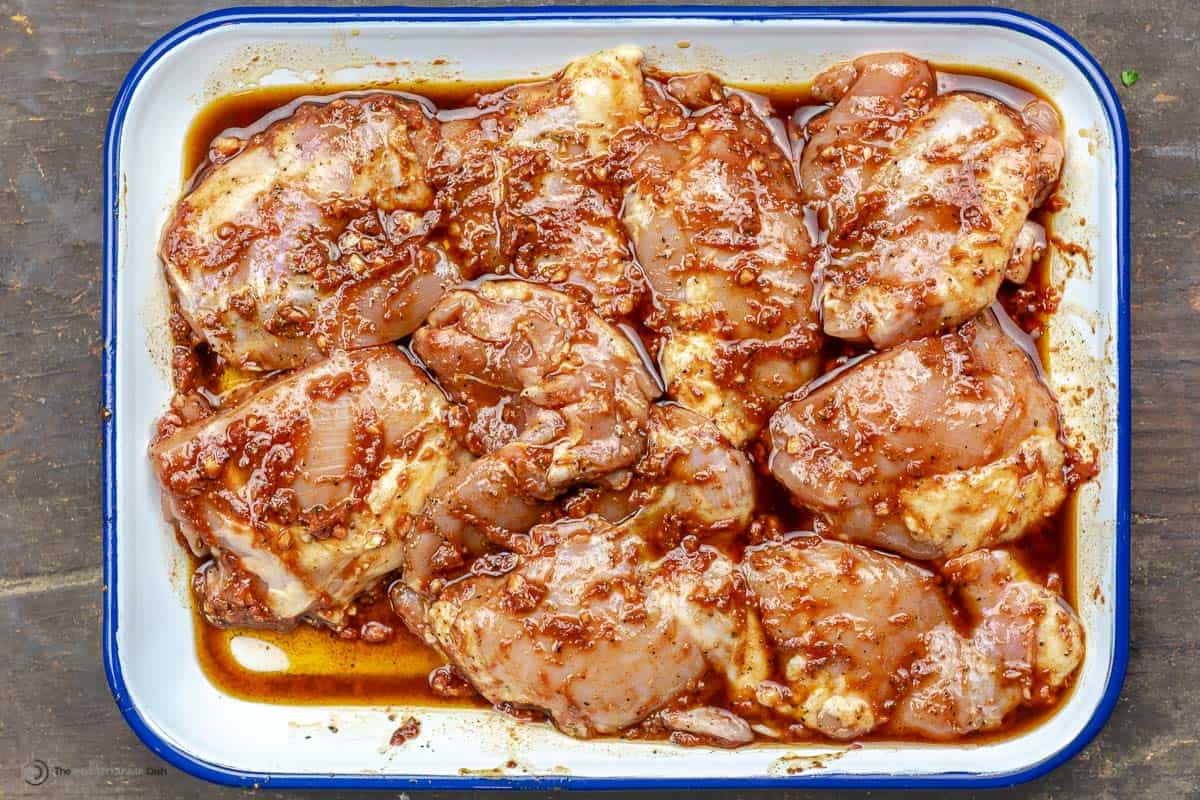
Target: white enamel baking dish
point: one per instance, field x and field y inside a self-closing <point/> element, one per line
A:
<point x="148" y="639"/>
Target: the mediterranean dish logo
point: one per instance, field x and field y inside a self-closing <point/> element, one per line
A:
<point x="37" y="772"/>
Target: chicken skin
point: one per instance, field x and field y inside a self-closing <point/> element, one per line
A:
<point x="926" y="197"/>
<point x="310" y="236"/>
<point x="555" y="397"/>
<point x="589" y="630"/>
<point x="304" y="492"/>
<point x="934" y="448"/>
<point x="715" y="218"/>
<point x="525" y="185"/>
<point x="868" y="641"/>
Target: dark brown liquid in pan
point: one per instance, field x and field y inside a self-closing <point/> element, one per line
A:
<point x="325" y="669"/>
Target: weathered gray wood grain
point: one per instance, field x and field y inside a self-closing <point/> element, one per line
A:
<point x="61" y="61"/>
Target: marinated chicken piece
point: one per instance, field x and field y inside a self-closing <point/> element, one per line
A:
<point x="934" y="448"/>
<point x="525" y="185"/>
<point x="1026" y="644"/>
<point x="587" y="629"/>
<point x="868" y="641"/>
<point x="846" y="622"/>
<point x="876" y="98"/>
<point x="926" y="196"/>
<point x="555" y="397"/>
<point x="718" y="227"/>
<point x="310" y="236"/>
<point x="304" y="492"/>
<point x="689" y="482"/>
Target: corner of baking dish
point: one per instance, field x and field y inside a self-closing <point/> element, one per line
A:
<point x="1022" y="23"/>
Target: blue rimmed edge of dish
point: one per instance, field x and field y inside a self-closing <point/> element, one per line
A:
<point x="1013" y="20"/>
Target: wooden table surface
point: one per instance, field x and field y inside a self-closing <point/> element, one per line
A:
<point x="61" y="62"/>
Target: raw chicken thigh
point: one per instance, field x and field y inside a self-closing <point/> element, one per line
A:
<point x="555" y="397"/>
<point x="310" y="236"/>
<point x="868" y="641"/>
<point x="1025" y="645"/>
<point x="875" y="98"/>
<point x="304" y="492"/>
<point x="846" y="622"/>
<point x="934" y="448"/>
<point x="926" y="197"/>
<point x="717" y="224"/>
<point x="525" y="185"/>
<point x="589" y="630"/>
